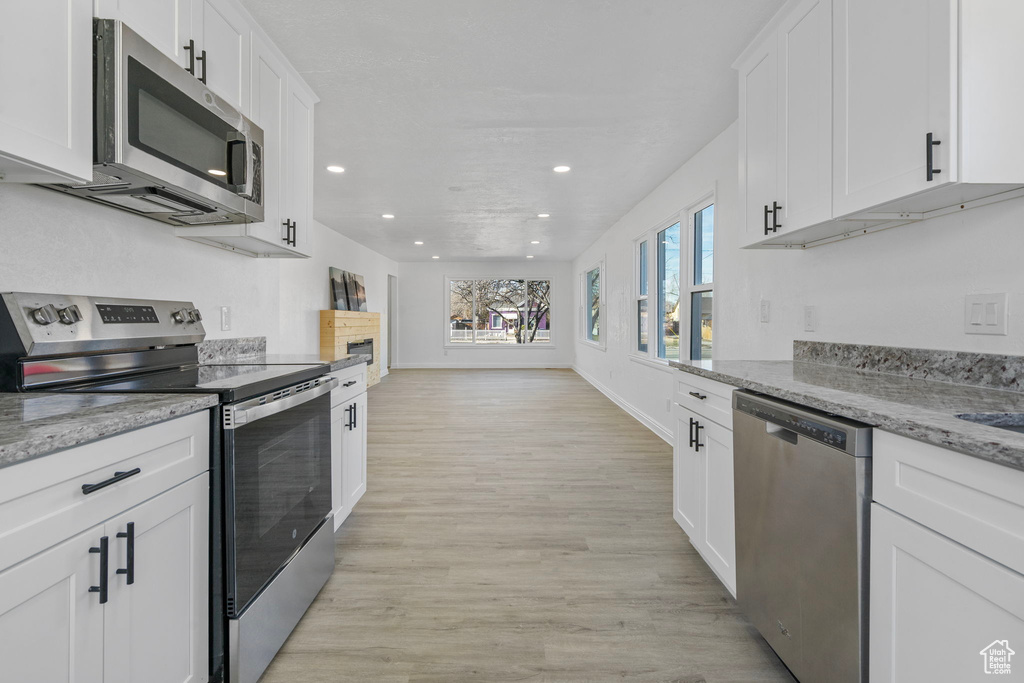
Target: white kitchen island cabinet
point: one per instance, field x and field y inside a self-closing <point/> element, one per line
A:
<point x="702" y="473"/>
<point x="947" y="563"/>
<point x="93" y="592"/>
<point x="348" y="441"/>
<point x="46" y="121"/>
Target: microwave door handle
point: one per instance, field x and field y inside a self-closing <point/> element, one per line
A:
<point x="242" y="415"/>
<point x="245" y="188"/>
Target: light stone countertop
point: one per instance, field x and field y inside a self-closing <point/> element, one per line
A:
<point x="917" y="408"/>
<point x="336" y="361"/>
<point x="36" y="424"/>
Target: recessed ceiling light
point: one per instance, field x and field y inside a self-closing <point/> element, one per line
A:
<point x="387" y="215"/>
<point x="535" y="242"/>
<point x="217" y="171"/>
<point x="529" y="257"/>
<point x="335" y="169"/>
<point x="543" y="215"/>
<point x="417" y="242"/>
<point x="561" y="169"/>
<point x="435" y="257"/>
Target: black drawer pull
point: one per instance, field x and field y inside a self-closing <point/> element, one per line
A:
<point x="696" y="395"/>
<point x="129" y="570"/>
<point x="118" y="476"/>
<point x="348" y="384"/>
<point x="104" y="554"/>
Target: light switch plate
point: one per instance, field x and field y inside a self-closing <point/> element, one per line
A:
<point x="765" y="310"/>
<point x="225" y="318"/>
<point x="810" y="318"/>
<point x="985" y="314"/>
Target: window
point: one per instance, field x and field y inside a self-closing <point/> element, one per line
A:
<point x="682" y="279"/>
<point x="592" y="303"/>
<point x="499" y="312"/>
<point x="641" y="299"/>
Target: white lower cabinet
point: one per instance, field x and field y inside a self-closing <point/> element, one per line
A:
<point x="937" y="607"/>
<point x="702" y="487"/>
<point x="348" y="441"/>
<point x="146" y="617"/>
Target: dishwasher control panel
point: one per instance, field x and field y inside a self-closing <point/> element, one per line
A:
<point x="840" y="433"/>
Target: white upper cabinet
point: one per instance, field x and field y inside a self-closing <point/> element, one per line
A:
<point x="786" y="122"/>
<point x="298" y="181"/>
<point x="46" y="81"/>
<point x="221" y="33"/>
<point x="166" y="24"/>
<point x="885" y="112"/>
<point x="895" y="84"/>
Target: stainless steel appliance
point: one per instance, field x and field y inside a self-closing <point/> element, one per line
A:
<point x="166" y="146"/>
<point x="272" y="532"/>
<point x="803" y="496"/>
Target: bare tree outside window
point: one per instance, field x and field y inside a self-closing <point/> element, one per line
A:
<point x="500" y="311"/>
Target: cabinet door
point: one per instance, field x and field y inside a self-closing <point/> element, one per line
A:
<point x="895" y="81"/>
<point x="717" y="512"/>
<point x="299" y="165"/>
<point x="339" y="425"/>
<point x="936" y="605"/>
<point x="46" y="81"/>
<point x="223" y="32"/>
<point x="156" y="627"/>
<point x="165" y="24"/>
<point x="758" y="138"/>
<point x="51" y="626"/>
<point x="354" y="454"/>
<point x="269" y="92"/>
<point x="804" y="177"/>
<point x="687" y="477"/>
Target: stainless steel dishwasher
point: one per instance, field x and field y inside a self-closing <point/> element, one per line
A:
<point x="803" y="497"/>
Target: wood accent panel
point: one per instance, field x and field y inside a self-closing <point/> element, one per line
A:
<point x="518" y="528"/>
<point x="338" y="328"/>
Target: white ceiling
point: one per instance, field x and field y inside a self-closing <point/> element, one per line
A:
<point x="450" y="114"/>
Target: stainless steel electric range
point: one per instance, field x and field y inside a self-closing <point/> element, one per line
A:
<point x="272" y="541"/>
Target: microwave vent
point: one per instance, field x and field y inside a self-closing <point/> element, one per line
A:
<point x="100" y="181"/>
<point x="202" y="218"/>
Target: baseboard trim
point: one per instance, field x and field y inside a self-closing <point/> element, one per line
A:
<point x="637" y="414"/>
<point x="481" y="366"/>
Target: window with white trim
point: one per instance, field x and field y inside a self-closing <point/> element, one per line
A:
<point x="494" y="312"/>
<point x="592" y="304"/>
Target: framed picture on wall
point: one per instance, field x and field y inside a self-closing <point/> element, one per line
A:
<point x="348" y="293"/>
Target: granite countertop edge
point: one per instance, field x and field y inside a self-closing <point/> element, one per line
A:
<point x="920" y="423"/>
<point x="64" y="431"/>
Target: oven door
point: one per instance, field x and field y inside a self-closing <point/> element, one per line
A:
<point x="277" y="483"/>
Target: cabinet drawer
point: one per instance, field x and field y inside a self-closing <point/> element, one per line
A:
<point x="974" y="502"/>
<point x="42" y="501"/>
<point x="353" y="383"/>
<point x="707" y="398"/>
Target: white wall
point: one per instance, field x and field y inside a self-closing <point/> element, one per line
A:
<point x="52" y="242"/>
<point x="900" y="287"/>
<point x="423" y="317"/>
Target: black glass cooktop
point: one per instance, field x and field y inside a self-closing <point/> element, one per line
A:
<point x="231" y="382"/>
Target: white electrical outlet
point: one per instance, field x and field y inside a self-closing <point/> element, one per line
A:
<point x="985" y="314"/>
<point x="810" y="318"/>
<point x="765" y="310"/>
<point x="225" y="318"/>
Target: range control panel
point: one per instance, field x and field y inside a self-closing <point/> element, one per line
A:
<point x="59" y="323"/>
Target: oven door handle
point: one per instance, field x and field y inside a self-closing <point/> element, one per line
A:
<point x="241" y="415"/>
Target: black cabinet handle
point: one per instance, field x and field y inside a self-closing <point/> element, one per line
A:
<point x="349" y="383"/>
<point x="118" y="476"/>
<point x="103" y="550"/>
<point x="355" y="416"/>
<point x="202" y="58"/>
<point x="775" y="217"/>
<point x="696" y="395"/>
<point x="289" y="237"/>
<point x="692" y="423"/>
<point x="696" y="437"/>
<point x="929" y="145"/>
<point x="348" y="422"/>
<point x="129" y="565"/>
<point x="293" y="230"/>
<point x="766" y="212"/>
<point x="191" y="48"/>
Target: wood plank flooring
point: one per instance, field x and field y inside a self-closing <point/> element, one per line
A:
<point x="517" y="526"/>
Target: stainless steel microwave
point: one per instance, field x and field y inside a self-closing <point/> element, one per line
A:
<point x="166" y="146"/>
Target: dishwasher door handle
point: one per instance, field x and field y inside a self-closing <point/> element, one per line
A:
<point x="779" y="432"/>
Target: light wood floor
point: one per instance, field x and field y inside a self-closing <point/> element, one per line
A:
<point x="517" y="526"/>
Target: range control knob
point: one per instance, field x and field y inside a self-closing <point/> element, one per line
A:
<point x="70" y="315"/>
<point x="179" y="316"/>
<point x="45" y="315"/>
<point x="194" y="315"/>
